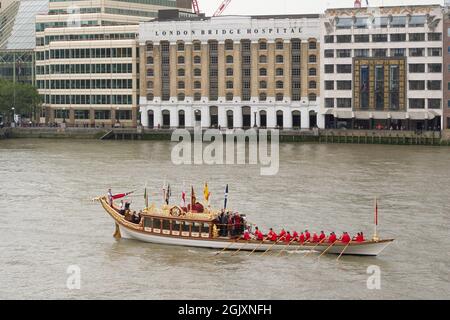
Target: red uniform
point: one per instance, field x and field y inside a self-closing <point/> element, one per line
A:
<point x="282" y="234"/>
<point x="345" y="238"/>
<point x="287" y="238"/>
<point x="246" y="235"/>
<point x="322" y="236"/>
<point x="307" y="235"/>
<point x="315" y="238"/>
<point x="259" y="236"/>
<point x="272" y="236"/>
<point x="295" y="235"/>
<point x="301" y="238"/>
<point x="332" y="238"/>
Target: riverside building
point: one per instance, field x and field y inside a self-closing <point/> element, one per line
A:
<point x="87" y="59"/>
<point x="231" y="72"/>
<point x="383" y="67"/>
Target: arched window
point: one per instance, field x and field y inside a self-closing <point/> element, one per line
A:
<point x="181" y="73"/>
<point x="312" y="58"/>
<point x="149" y="60"/>
<point x="279" y="84"/>
<point x="279" y="59"/>
<point x="312" y="45"/>
<point x="263" y="84"/>
<point x="279" y="97"/>
<point x="149" y="84"/>
<point x="197" y="72"/>
<point x="312" y="85"/>
<point x="263" y="72"/>
<point x="229" y="96"/>
<point x="181" y="97"/>
<point x="150" y="73"/>
<point x="229" y="45"/>
<point x="312" y="72"/>
<point x="150" y="46"/>
<point x="312" y="97"/>
<point x="180" y="60"/>
<point x="150" y="97"/>
<point x="197" y="45"/>
<point x="180" y="84"/>
<point x="229" y="72"/>
<point x="262" y="96"/>
<point x="262" y="59"/>
<point x="180" y="46"/>
<point x="230" y="59"/>
<point x="197" y="96"/>
<point x="279" y="45"/>
<point x="197" y="85"/>
<point x="263" y="45"/>
<point x="279" y="72"/>
<point x="197" y="59"/>
<point x="229" y="84"/>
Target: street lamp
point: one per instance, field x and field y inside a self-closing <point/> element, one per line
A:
<point x="14" y="115"/>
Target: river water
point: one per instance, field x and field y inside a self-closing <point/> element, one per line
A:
<point x="48" y="222"/>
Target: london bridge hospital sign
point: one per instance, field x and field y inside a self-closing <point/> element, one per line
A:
<point x="229" y="29"/>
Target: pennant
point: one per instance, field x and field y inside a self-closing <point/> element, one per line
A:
<point x="193" y="198"/>
<point x="226" y="197"/>
<point x="183" y="197"/>
<point x="206" y="192"/>
<point x="146" y="197"/>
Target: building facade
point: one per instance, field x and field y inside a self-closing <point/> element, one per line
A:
<point x="382" y="68"/>
<point x="446" y="53"/>
<point x="87" y="59"/>
<point x="230" y="72"/>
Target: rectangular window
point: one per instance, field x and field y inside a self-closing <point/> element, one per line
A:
<point x="359" y="38"/>
<point x="417" y="52"/>
<point x="329" y="68"/>
<point x="417" y="37"/>
<point x="329" y="102"/>
<point x="417" y="103"/>
<point x="329" y="53"/>
<point x="344" y="102"/>
<point x="434" y="103"/>
<point x="362" y="53"/>
<point x="343" y="53"/>
<point x="434" y="36"/>
<point x="400" y="52"/>
<point x="382" y="37"/>
<point x="417" y="67"/>
<point x="434" y="52"/>
<point x="344" y="85"/>
<point x="434" y="67"/>
<point x="379" y="87"/>
<point x="379" y="53"/>
<point x="329" y="39"/>
<point x="329" y="85"/>
<point x="344" y="68"/>
<point x="398" y="37"/>
<point x="434" y="84"/>
<point x="364" y="84"/>
<point x="394" y="87"/>
<point x="344" y="38"/>
<point x="416" y="85"/>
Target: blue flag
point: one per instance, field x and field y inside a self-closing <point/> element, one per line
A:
<point x="226" y="198"/>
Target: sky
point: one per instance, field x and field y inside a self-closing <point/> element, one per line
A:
<point x="254" y="7"/>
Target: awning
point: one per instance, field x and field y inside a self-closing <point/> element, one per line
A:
<point x="344" y="114"/>
<point x="329" y="112"/>
<point x="398" y="115"/>
<point x="363" y="115"/>
<point x="433" y="114"/>
<point x="418" y="115"/>
<point x="381" y="115"/>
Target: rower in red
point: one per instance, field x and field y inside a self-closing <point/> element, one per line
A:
<point x="295" y="235"/>
<point x="246" y="235"/>
<point x="282" y="234"/>
<point x="272" y="235"/>
<point x="307" y="235"/>
<point x="322" y="236"/>
<point x="287" y="237"/>
<point x="332" y="238"/>
<point x="258" y="234"/>
<point x="345" y="238"/>
<point x="301" y="238"/>
<point x="315" y="237"/>
<point x="359" y="237"/>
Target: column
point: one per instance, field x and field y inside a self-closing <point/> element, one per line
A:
<point x="188" y="69"/>
<point x="271" y="71"/>
<point x="157" y="71"/>
<point x="222" y="117"/>
<point x="305" y="118"/>
<point x="92" y="117"/>
<point x="144" y="117"/>
<point x="189" y="117"/>
<point x="205" y="117"/>
<point x="320" y="121"/>
<point x="205" y="71"/>
<point x="304" y="69"/>
<point x="287" y="118"/>
<point x="237" y="117"/>
<point x="222" y="67"/>
<point x="71" y="116"/>
<point x="173" y="117"/>
<point x="253" y="111"/>
<point x="271" y="117"/>
<point x="255" y="71"/>
<point x="143" y="70"/>
<point x="173" y="70"/>
<point x="237" y="70"/>
<point x="287" y="70"/>
<point x="157" y="117"/>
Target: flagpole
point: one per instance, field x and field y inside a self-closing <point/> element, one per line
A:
<point x="375" y="235"/>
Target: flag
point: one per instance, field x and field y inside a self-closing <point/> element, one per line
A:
<point x="146" y="197"/>
<point x="168" y="194"/>
<point x="121" y="195"/>
<point x="206" y="192"/>
<point x="193" y="198"/>
<point x="183" y="197"/>
<point x="164" y="191"/>
<point x="376" y="211"/>
<point x="226" y="197"/>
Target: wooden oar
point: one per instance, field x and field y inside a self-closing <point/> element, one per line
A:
<point x="279" y="253"/>
<point x="227" y="247"/>
<point x="309" y="252"/>
<point x="343" y="250"/>
<point x="326" y="250"/>
<point x="259" y="245"/>
<point x="278" y="240"/>
<point x="240" y="248"/>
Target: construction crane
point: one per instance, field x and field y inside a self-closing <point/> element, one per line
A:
<point x="218" y="12"/>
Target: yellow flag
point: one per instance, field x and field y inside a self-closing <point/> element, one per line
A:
<point x="206" y="192"/>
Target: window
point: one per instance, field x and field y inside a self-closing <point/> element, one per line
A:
<point x="262" y="96"/>
<point x="344" y="68"/>
<point x="329" y="39"/>
<point x="417" y="21"/>
<point x="263" y="45"/>
<point x="197" y="45"/>
<point x="197" y="96"/>
<point x="312" y="45"/>
<point x="329" y="68"/>
<point x="149" y="46"/>
<point x="329" y="102"/>
<point x="279" y="85"/>
<point x="181" y="72"/>
<point x="398" y="52"/>
<point x="263" y="72"/>
<point x="434" y="67"/>
<point x="279" y="72"/>
<point x="229" y="45"/>
<point x="434" y="52"/>
<point x="312" y="97"/>
<point x="312" y="58"/>
<point x="180" y="60"/>
<point x="398" y="37"/>
<point x="416" y="85"/>
<point x="417" y="68"/>
<point x="150" y="73"/>
<point x="150" y="97"/>
<point x="149" y="60"/>
<point x="329" y="53"/>
<point x="229" y="84"/>
<point x="181" y="97"/>
<point x="229" y="72"/>
<point x="279" y="59"/>
<point x="312" y="71"/>
<point x="312" y="85"/>
<point x="362" y="38"/>
<point x="229" y="96"/>
<point x="229" y="59"/>
<point x="417" y="37"/>
<point x="434" y="84"/>
<point x="279" y="97"/>
<point x="197" y="85"/>
<point x="398" y="22"/>
<point x="180" y="46"/>
<point x="279" y="45"/>
<point x="416" y="103"/>
<point x="344" y="23"/>
<point x="344" y="102"/>
<point x="197" y="72"/>
<point x="344" y="85"/>
<point x="346" y="38"/>
<point x="181" y="85"/>
<point x="360" y="23"/>
<point x="149" y="84"/>
<point x="197" y="59"/>
<point x="434" y="103"/>
<point x="329" y="85"/>
<point x="262" y="59"/>
<point x="382" y="37"/>
<point x="263" y="84"/>
<point x="434" y="36"/>
<point x="343" y="53"/>
<point x="379" y="53"/>
<point x="417" y="52"/>
<point x="362" y="53"/>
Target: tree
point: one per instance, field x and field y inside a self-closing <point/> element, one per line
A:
<point x="23" y="97"/>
